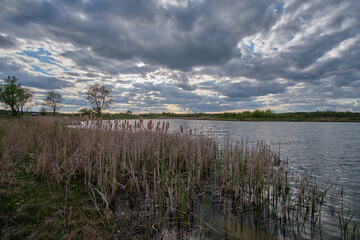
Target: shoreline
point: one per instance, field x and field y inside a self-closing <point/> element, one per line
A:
<point x="252" y="119"/>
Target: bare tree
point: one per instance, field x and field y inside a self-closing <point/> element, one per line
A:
<point x="25" y="97"/>
<point x="99" y="96"/>
<point x="53" y="99"/>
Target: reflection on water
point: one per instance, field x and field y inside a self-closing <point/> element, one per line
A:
<point x="328" y="152"/>
<point x="211" y="221"/>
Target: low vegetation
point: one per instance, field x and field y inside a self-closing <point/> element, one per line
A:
<point x="131" y="180"/>
<point x="256" y="115"/>
<point x="264" y="115"/>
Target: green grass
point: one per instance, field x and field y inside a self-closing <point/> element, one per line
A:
<point x="34" y="208"/>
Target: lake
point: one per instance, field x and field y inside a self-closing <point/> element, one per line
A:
<point x="328" y="151"/>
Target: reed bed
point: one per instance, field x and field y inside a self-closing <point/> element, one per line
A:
<point x="159" y="175"/>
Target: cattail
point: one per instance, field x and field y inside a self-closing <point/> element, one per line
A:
<point x="158" y="126"/>
<point x="150" y="125"/>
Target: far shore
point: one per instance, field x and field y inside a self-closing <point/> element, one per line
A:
<point x="256" y="115"/>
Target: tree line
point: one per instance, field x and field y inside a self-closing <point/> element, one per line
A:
<point x="15" y="96"/>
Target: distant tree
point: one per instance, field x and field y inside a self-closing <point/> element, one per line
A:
<point x="86" y="111"/>
<point x="25" y="98"/>
<point x="53" y="99"/>
<point x="128" y="112"/>
<point x="99" y="96"/>
<point x="43" y="110"/>
<point x="12" y="94"/>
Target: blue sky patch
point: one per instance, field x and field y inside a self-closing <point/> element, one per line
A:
<point x="161" y="80"/>
<point x="290" y="38"/>
<point x="65" y="69"/>
<point x="250" y="47"/>
<point x="38" y="69"/>
<point x="302" y="19"/>
<point x="42" y="55"/>
<point x="278" y="7"/>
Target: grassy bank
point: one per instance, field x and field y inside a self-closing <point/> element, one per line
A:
<point x="115" y="180"/>
<point x="256" y="115"/>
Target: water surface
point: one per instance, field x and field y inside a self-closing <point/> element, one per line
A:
<point x="327" y="150"/>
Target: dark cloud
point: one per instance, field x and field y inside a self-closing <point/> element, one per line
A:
<point x="43" y="82"/>
<point x="201" y="33"/>
<point x="182" y="81"/>
<point x="244" y="90"/>
<point x="74" y="74"/>
<point x="169" y="93"/>
<point x="7" y="42"/>
<point x="89" y="61"/>
<point x="306" y="54"/>
<point x="77" y="102"/>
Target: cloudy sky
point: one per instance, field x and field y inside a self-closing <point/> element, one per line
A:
<point x="188" y="55"/>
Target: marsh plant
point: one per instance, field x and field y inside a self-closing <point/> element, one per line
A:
<point x="147" y="179"/>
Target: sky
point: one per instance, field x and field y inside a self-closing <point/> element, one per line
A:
<point x="186" y="56"/>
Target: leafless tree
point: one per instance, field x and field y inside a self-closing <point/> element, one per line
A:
<point x="99" y="96"/>
<point x="53" y="99"/>
<point x="25" y="98"/>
